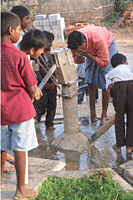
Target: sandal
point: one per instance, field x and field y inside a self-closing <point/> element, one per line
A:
<point x="11" y="161"/>
<point x="10" y="172"/>
<point x="85" y="121"/>
<point x="101" y="124"/>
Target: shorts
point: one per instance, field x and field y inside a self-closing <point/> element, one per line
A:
<point x="19" y="137"/>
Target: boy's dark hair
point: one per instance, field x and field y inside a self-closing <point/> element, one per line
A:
<point x="118" y="59"/>
<point x="8" y="19"/>
<point x="49" y="35"/>
<point x="21" y="11"/>
<point x="75" y="39"/>
<point x="34" y="38"/>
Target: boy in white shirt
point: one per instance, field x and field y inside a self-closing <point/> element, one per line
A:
<point x="120" y="83"/>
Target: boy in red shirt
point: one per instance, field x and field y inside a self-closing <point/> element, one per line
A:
<point x="18" y="89"/>
<point x="97" y="44"/>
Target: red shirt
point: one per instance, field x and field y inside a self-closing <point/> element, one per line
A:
<point x="16" y="76"/>
<point x="98" y="42"/>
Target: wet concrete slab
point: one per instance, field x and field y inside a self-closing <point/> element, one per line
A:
<point x="102" y="147"/>
<point x="99" y="153"/>
<point x="38" y="173"/>
<point x="45" y="159"/>
<point x="38" y="170"/>
<point x="126" y="170"/>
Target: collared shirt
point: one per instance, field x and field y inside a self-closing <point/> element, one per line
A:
<point x="98" y="42"/>
<point x="122" y="72"/>
<point x="16" y="77"/>
<point x="49" y="64"/>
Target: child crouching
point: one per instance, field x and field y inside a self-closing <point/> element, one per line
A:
<point x="120" y="83"/>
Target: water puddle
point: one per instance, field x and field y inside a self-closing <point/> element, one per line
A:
<point x="100" y="154"/>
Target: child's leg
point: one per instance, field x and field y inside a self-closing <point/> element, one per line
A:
<point x="105" y="103"/>
<point x="23" y="139"/>
<point x="20" y="163"/>
<point x="91" y="88"/>
<point x="41" y="104"/>
<point x="120" y="129"/>
<point x="119" y="101"/>
<point x="5" y="146"/>
<point x="51" y="107"/>
<point x="3" y="160"/>
<point x="129" y="135"/>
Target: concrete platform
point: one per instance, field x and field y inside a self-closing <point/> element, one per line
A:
<point x="79" y="174"/>
<point x="126" y="170"/>
<point x="76" y="142"/>
<point x="40" y="169"/>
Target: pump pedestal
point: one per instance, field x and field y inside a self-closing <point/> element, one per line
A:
<point x="72" y="138"/>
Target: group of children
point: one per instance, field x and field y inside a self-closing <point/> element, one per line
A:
<point x="19" y="88"/>
<point x="95" y="46"/>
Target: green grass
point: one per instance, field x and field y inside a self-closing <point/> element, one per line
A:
<point x="99" y="186"/>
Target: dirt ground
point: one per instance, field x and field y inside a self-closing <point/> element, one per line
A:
<point x="124" y="44"/>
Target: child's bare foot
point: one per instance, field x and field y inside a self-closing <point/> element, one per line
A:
<point x="9" y="167"/>
<point x="10" y="159"/>
<point x="129" y="149"/>
<point x="25" y="193"/>
<point x="103" y="119"/>
<point x="93" y="117"/>
<point x="2" y="185"/>
<point x="117" y="149"/>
